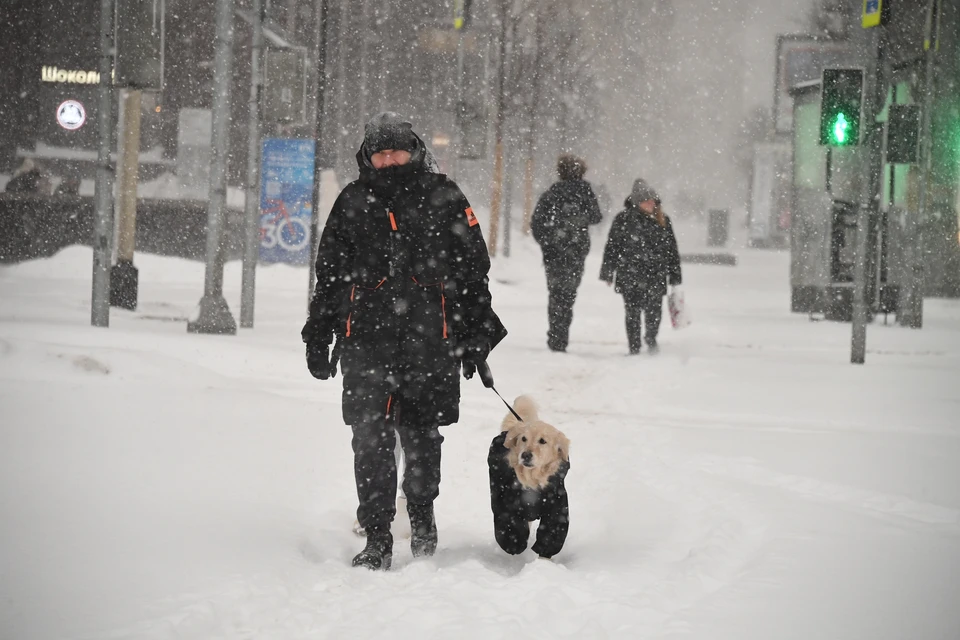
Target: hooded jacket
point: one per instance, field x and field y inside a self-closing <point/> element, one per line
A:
<point x="640" y="255"/>
<point x="402" y="282"/>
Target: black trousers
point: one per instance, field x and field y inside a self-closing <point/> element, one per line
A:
<point x="644" y="309"/>
<point x="563" y="280"/>
<point x="375" y="467"/>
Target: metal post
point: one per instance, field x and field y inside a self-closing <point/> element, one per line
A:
<point x="911" y="302"/>
<point x="215" y="316"/>
<point x="364" y="35"/>
<point x="458" y="109"/>
<point x="251" y="210"/>
<point x="869" y="188"/>
<point x="318" y="143"/>
<point x="103" y="217"/>
<point x="124" y="277"/>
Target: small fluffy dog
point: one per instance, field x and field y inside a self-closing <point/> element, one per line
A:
<point x="528" y="462"/>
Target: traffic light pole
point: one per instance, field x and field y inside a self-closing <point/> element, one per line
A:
<point x="869" y="188"/>
<point x="103" y="191"/>
<point x="215" y="316"/>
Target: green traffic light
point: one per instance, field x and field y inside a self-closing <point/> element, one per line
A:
<point x="840" y="126"/>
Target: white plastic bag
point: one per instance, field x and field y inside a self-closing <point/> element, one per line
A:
<point x="679" y="315"/>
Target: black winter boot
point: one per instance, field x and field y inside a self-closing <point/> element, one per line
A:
<point x="378" y="554"/>
<point x="423" y="529"/>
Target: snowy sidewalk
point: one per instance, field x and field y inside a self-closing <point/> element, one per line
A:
<point x="746" y="483"/>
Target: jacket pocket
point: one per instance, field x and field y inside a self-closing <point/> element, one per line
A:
<point x="428" y="316"/>
<point x="362" y="313"/>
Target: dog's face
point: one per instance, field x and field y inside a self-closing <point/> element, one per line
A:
<point x="536" y="450"/>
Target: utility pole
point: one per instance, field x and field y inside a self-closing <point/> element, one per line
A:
<point x="498" y="134"/>
<point x="215" y="316"/>
<point x="318" y="155"/>
<point x="251" y="210"/>
<point x="911" y="301"/>
<point x="874" y="94"/>
<point x="103" y="216"/>
<point x="124" y="276"/>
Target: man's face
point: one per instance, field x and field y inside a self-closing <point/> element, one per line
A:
<point x="389" y="158"/>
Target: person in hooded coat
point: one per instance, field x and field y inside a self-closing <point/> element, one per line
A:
<point x="641" y="256"/>
<point x="560" y="226"/>
<point x="402" y="293"/>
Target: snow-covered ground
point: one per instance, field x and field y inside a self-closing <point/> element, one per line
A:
<point x="747" y="483"/>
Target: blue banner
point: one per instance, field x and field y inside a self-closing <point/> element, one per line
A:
<point x="286" y="193"/>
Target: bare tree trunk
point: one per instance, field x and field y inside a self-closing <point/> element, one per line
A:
<point x="532" y="123"/>
<point x="498" y="134"/>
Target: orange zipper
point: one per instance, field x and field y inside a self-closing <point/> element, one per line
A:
<point x="353" y="291"/>
<point x="443" y="309"/>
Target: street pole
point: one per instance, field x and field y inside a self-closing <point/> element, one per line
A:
<point x="873" y="92"/>
<point x="911" y="302"/>
<point x="498" y="135"/>
<point x="124" y="277"/>
<point x="251" y="209"/>
<point x="103" y="216"/>
<point x="318" y="156"/>
<point x="458" y="109"/>
<point x="215" y="316"/>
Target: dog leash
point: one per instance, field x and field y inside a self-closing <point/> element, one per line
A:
<point x="486" y="377"/>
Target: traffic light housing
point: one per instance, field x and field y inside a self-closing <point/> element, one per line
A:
<point x="841" y="97"/>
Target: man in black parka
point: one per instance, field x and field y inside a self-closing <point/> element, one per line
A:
<point x="560" y="226"/>
<point x="402" y="285"/>
<point x="641" y="255"/>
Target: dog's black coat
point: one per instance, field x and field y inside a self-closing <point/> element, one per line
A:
<point x="514" y="506"/>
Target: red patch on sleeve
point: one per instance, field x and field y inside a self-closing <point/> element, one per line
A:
<point x="472" y="217"/>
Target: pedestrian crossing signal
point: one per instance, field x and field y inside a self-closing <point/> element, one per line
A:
<point x="841" y="96"/>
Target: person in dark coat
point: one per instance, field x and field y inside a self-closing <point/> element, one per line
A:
<point x="641" y="257"/>
<point x="402" y="284"/>
<point x="560" y="226"/>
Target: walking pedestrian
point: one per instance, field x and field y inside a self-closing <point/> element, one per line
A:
<point x="560" y="226"/>
<point x="402" y="283"/>
<point x="641" y="257"/>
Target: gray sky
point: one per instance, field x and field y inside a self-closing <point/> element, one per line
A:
<point x="674" y="95"/>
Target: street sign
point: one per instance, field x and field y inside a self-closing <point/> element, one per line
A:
<point x="285" y="86"/>
<point x="71" y="115"/>
<point x="140" y="32"/>
<point x="872" y="10"/>
<point x="286" y="200"/>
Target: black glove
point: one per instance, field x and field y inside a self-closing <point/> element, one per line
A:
<point x="474" y="353"/>
<point x="321" y="365"/>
